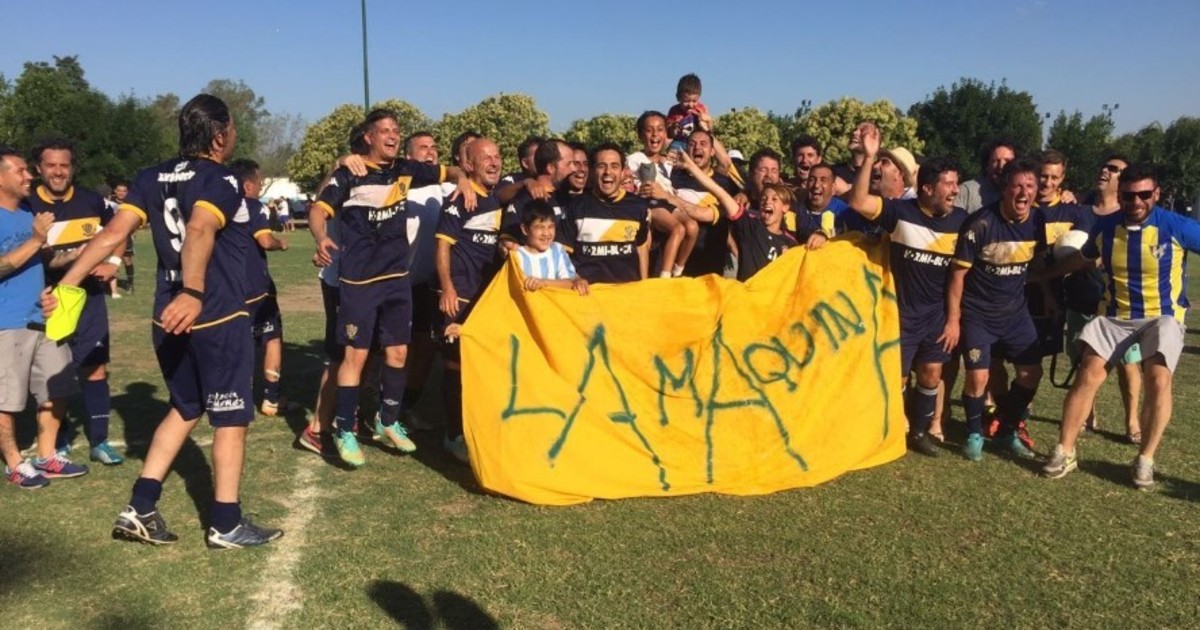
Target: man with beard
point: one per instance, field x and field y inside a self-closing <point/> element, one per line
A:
<point x="79" y="214"/>
<point x="375" y="290"/>
<point x="555" y="162"/>
<point x="986" y="308"/>
<point x="468" y="256"/>
<point x="606" y="230"/>
<point x="709" y="255"/>
<point x="984" y="190"/>
<point x="924" y="234"/>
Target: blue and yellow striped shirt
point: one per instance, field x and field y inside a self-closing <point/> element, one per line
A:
<point x="1145" y="265"/>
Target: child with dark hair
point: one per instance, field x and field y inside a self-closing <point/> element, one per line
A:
<point x="688" y="114"/>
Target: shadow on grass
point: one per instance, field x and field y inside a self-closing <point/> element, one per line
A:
<point x="1112" y="472"/>
<point x="407" y="608"/>
<point x="1182" y="489"/>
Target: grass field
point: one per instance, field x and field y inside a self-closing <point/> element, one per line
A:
<point x="412" y="541"/>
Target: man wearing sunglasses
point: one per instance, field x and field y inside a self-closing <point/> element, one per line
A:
<point x="1142" y="248"/>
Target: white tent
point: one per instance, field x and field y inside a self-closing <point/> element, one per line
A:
<point x="274" y="187"/>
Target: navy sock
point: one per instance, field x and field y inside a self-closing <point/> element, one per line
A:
<point x="271" y="391"/>
<point x="1014" y="405"/>
<point x="146" y="493"/>
<point x="226" y="516"/>
<point x="452" y="402"/>
<point x="391" y="393"/>
<point x="345" y="406"/>
<point x="97" y="404"/>
<point x="411" y="396"/>
<point x="923" y="405"/>
<point x="973" y="405"/>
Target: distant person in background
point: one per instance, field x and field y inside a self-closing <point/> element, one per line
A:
<point x="525" y="153"/>
<point x="578" y="180"/>
<point x="984" y="190"/>
<point x="284" y="212"/>
<point x="119" y="191"/>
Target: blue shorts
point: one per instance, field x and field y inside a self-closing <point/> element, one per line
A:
<point x="89" y="344"/>
<point x="265" y="321"/>
<point x="1015" y="340"/>
<point x="379" y="312"/>
<point x="210" y="370"/>
<point x="919" y="342"/>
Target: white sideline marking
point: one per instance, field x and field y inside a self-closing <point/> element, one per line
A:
<point x="278" y="593"/>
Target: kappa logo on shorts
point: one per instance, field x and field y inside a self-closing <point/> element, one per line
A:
<point x="974" y="354"/>
<point x="351" y="331"/>
<point x="226" y="401"/>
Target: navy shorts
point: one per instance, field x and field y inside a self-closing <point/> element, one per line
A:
<point x="1015" y="340"/>
<point x="379" y="312"/>
<point x="210" y="370"/>
<point x="919" y="342"/>
<point x="265" y="321"/>
<point x="89" y="344"/>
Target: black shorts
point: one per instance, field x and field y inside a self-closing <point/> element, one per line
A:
<point x="331" y="297"/>
<point x="210" y="370"/>
<point x="89" y="344"/>
<point x="425" y="312"/>
<point x="265" y="321"/>
<point x="1015" y="340"/>
<point x="377" y="312"/>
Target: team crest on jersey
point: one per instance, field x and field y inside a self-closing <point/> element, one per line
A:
<point x="1159" y="250"/>
<point x="351" y="331"/>
<point x="180" y="167"/>
<point x="89" y="230"/>
<point x="630" y="232"/>
<point x="974" y="354"/>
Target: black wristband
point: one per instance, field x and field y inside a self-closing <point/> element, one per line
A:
<point x="199" y="295"/>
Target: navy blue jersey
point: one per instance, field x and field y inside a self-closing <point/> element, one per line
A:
<point x="603" y="236"/>
<point x="258" y="277"/>
<point x="920" y="246"/>
<point x="78" y="216"/>
<point x="998" y="252"/>
<point x="514" y="213"/>
<point x="372" y="210"/>
<point x="757" y="246"/>
<point x="712" y="244"/>
<point x="1057" y="219"/>
<point x="474" y="238"/>
<point x="165" y="196"/>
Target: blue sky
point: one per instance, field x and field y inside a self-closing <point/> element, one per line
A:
<point x="581" y="59"/>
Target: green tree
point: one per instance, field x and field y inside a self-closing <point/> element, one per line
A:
<point x="833" y="123"/>
<point x="507" y="119"/>
<point x="1085" y="145"/>
<point x="958" y="122"/>
<point x="1147" y="145"/>
<point x="1181" y="166"/>
<point x="248" y="109"/>
<point x="164" y="108"/>
<point x="329" y="138"/>
<point x="618" y="128"/>
<point x="747" y="130"/>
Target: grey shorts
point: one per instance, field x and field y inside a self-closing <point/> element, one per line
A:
<point x="1111" y="338"/>
<point x="32" y="364"/>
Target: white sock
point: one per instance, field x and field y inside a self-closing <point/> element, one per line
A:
<point x="664" y="274"/>
<point x="677" y="271"/>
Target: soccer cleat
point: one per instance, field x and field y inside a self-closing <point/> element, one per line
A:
<point x="246" y="534"/>
<point x="106" y="454"/>
<point x="147" y="528"/>
<point x="347" y="448"/>
<point x="25" y="477"/>
<point x="991" y="422"/>
<point x="395" y="435"/>
<point x="319" y="443"/>
<point x="458" y="448"/>
<point x="1060" y="464"/>
<point x="1013" y="443"/>
<point x="973" y="447"/>
<point x="59" y="467"/>
<point x="1023" y="435"/>
<point x="923" y="444"/>
<point x="1143" y="473"/>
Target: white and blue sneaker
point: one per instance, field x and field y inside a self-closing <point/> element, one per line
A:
<point x="246" y="534"/>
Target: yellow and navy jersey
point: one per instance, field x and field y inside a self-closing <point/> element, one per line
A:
<point x="372" y="210"/>
<point x="921" y="246"/>
<point x="166" y="196"/>
<point x="603" y="236"/>
<point x="997" y="251"/>
<point x="1060" y="218"/>
<point x="474" y="238"/>
<point x="758" y="246"/>
<point x="1145" y="265"/>
<point x="258" y="277"/>
<point x="712" y="240"/>
<point x="78" y="216"/>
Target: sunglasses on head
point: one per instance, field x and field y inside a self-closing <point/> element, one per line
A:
<point x="1111" y="168"/>
<point x="1144" y="195"/>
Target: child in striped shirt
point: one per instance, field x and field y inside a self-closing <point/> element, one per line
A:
<point x="545" y="262"/>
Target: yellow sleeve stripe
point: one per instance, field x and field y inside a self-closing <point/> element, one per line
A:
<point x="442" y="173"/>
<point x="448" y="239"/>
<point x="136" y="210"/>
<point x="213" y="209"/>
<point x="326" y="207"/>
<point x="962" y="263"/>
<point x="261" y="232"/>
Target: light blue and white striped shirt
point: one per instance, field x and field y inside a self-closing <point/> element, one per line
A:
<point x="552" y="264"/>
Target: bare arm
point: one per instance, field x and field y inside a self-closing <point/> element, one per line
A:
<point x="268" y="242"/>
<point x="860" y="197"/>
<point x="16" y="258"/>
<point x="643" y="251"/>
<point x="954" y="291"/>
<point x="123" y="223"/>
<point x="449" y="300"/>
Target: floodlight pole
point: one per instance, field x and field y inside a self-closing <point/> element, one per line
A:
<point x="366" y="80"/>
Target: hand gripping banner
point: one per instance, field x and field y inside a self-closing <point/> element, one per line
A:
<point x="676" y="386"/>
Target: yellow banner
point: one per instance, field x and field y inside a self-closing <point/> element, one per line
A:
<point x="677" y="386"/>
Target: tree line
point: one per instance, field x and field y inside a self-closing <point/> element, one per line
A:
<point x="118" y="136"/>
